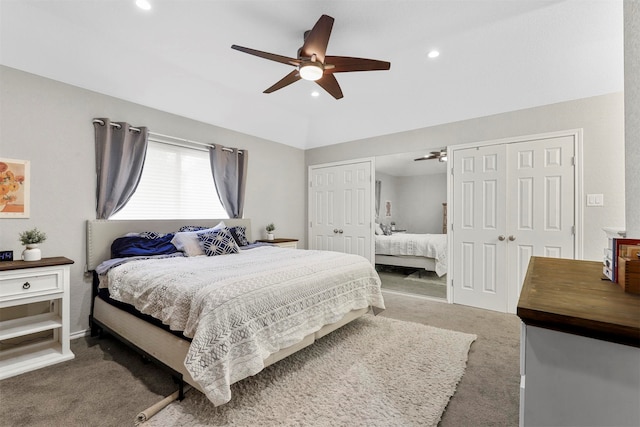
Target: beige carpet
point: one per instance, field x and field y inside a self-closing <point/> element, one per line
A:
<point x="423" y="283"/>
<point x="375" y="371"/>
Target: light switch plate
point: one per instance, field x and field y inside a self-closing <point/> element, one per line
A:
<point x="595" y="199"/>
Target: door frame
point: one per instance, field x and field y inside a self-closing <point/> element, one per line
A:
<point x="578" y="193"/>
<point x="310" y="168"/>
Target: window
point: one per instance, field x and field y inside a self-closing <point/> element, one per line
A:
<point x="176" y="183"/>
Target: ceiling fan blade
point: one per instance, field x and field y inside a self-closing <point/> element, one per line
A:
<point x="433" y="155"/>
<point x="329" y="83"/>
<point x="318" y="38"/>
<point x="429" y="157"/>
<point x="344" y="64"/>
<point x="292" y="77"/>
<point x="266" y="55"/>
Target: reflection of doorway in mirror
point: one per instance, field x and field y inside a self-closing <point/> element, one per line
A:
<point x="387" y="209"/>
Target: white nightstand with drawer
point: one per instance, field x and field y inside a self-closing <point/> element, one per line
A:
<point x="283" y="242"/>
<point x="34" y="314"/>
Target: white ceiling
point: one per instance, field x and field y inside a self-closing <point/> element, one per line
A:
<point x="496" y="56"/>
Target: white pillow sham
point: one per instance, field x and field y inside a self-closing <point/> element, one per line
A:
<point x="189" y="243"/>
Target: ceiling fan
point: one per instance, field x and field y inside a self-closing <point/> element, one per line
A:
<point x="312" y="63"/>
<point x="440" y="155"/>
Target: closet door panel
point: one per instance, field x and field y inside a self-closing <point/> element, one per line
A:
<point x="478" y="218"/>
<point x="341" y="208"/>
<point x="540" y="220"/>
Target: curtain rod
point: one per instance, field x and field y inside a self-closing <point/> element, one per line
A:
<point x="153" y="136"/>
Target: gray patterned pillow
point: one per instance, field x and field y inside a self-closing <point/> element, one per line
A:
<point x="186" y="228"/>
<point x="218" y="242"/>
<point x="386" y="229"/>
<point x="152" y="235"/>
<point x="239" y="233"/>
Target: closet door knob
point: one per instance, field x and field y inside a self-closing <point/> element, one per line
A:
<point x="512" y="238"/>
<point x="335" y="230"/>
<point x="340" y="231"/>
<point x="501" y="237"/>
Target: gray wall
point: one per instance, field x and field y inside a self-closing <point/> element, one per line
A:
<point x="602" y="121"/>
<point x="420" y="202"/>
<point x="632" y="114"/>
<point x="416" y="201"/>
<point x="49" y="123"/>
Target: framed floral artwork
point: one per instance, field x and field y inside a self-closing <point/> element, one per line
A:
<point x="14" y="188"/>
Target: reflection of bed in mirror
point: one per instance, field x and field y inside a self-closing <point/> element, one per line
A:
<point x="428" y="251"/>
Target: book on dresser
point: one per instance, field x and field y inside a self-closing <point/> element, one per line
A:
<point x="613" y="254"/>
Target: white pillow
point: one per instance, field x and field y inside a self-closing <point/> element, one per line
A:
<point x="379" y="231"/>
<point x="189" y="243"/>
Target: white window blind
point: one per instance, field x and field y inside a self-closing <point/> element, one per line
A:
<point x="176" y="183"/>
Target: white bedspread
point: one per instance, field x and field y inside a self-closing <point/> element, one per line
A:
<point x="426" y="245"/>
<point x="241" y="308"/>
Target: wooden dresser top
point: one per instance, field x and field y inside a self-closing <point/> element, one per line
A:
<point x="44" y="262"/>
<point x="571" y="296"/>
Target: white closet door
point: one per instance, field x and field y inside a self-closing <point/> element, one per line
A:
<point x="341" y="208"/>
<point x="479" y="227"/>
<point x="541" y="205"/>
<point x="511" y="201"/>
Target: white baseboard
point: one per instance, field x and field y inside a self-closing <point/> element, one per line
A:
<point x="79" y="334"/>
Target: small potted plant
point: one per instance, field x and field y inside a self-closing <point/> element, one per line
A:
<point x="32" y="239"/>
<point x="270" y="227"/>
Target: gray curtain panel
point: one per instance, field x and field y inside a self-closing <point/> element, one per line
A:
<point x="229" y="169"/>
<point x="120" y="154"/>
<point x="378" y="190"/>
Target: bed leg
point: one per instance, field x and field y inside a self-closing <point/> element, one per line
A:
<point x="96" y="331"/>
<point x="178" y="380"/>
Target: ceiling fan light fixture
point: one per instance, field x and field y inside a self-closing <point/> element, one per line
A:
<point x="143" y="4"/>
<point x="311" y="72"/>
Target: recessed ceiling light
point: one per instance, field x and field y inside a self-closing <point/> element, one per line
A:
<point x="143" y="4"/>
<point x="315" y="94"/>
<point x="433" y="54"/>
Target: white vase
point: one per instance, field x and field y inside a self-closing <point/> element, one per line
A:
<point x="32" y="253"/>
<point x="270" y="236"/>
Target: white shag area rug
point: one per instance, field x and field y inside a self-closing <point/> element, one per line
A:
<point x="375" y="371"/>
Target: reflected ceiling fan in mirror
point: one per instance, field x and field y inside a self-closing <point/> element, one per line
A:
<point x="312" y="63"/>
<point x="440" y="155"/>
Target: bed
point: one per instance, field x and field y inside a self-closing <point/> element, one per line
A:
<point x="428" y="251"/>
<point x="226" y="317"/>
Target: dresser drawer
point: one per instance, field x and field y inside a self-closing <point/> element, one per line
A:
<point x="26" y="284"/>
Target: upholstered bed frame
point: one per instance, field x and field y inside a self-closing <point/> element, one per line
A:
<point x="153" y="342"/>
<point x="428" y="264"/>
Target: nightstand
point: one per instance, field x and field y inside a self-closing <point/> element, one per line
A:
<point x="283" y="243"/>
<point x="34" y="314"/>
